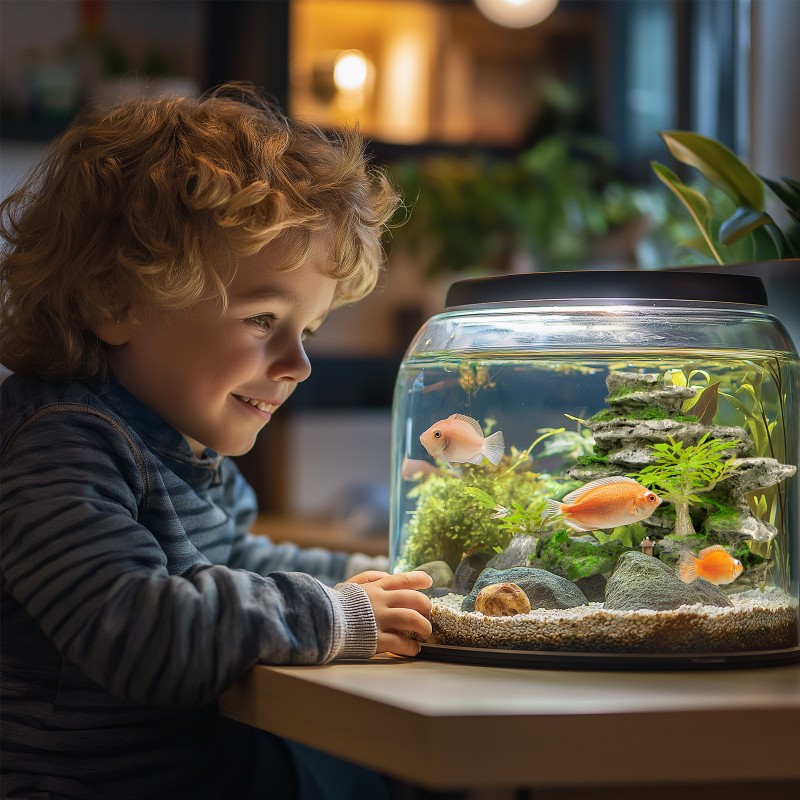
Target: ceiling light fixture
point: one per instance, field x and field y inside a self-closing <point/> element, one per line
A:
<point x="516" y="13"/>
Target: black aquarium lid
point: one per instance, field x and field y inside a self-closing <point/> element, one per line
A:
<point x="609" y="284"/>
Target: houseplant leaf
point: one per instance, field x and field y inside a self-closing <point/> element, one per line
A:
<point x="768" y="243"/>
<point x="694" y="201"/>
<point x="788" y="193"/>
<point x="740" y="223"/>
<point x="718" y="165"/>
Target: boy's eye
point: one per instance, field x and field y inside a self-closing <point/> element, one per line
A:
<point x="263" y="321"/>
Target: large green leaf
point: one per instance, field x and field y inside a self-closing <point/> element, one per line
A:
<point x="718" y="165"/>
<point x="694" y="201"/>
<point x="767" y="244"/>
<point x="788" y="193"/>
<point x="740" y="223"/>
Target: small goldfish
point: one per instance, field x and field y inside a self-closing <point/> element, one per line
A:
<point x="714" y="564"/>
<point x="605" y="503"/>
<point x="460" y="439"/>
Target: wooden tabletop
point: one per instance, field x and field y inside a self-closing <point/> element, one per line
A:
<point x="454" y="726"/>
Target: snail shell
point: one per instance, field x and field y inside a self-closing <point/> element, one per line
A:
<point x="502" y="600"/>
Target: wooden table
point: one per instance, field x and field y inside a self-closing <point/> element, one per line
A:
<point x="596" y="734"/>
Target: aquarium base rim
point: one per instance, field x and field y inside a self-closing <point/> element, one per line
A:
<point x="549" y="659"/>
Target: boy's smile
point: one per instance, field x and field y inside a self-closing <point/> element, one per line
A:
<point x="218" y="376"/>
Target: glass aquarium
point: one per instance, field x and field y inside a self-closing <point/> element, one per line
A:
<point x="600" y="468"/>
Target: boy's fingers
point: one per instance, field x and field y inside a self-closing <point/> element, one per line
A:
<point x="415" y="579"/>
<point x="410" y="599"/>
<point x="398" y="644"/>
<point x="403" y="619"/>
<point x="368" y="576"/>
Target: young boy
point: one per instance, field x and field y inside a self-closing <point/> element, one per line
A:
<point x="162" y="269"/>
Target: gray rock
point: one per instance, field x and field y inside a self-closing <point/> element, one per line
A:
<point x="624" y="443"/>
<point x="631" y="457"/>
<point x="620" y="433"/>
<point x="468" y="570"/>
<point x="592" y="473"/>
<point x="440" y="572"/>
<point x="593" y="587"/>
<point x="753" y="473"/>
<point x="668" y="398"/>
<point x="543" y="589"/>
<point x="629" y="380"/>
<point x="439" y="591"/>
<point x="516" y="554"/>
<point x="641" y="581"/>
<point x="733" y="529"/>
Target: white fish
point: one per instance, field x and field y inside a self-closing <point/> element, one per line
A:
<point x="460" y="439"/>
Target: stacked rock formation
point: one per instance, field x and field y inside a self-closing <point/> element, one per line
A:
<point x="622" y="437"/>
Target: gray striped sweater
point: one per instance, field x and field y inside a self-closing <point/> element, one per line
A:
<point x="132" y="596"/>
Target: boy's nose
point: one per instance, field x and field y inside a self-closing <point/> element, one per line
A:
<point x="291" y="364"/>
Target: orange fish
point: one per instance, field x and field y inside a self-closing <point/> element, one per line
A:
<point x="714" y="564"/>
<point x="605" y="503"/>
<point x="460" y="439"/>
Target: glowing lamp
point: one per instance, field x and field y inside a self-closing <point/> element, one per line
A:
<point x="516" y="13"/>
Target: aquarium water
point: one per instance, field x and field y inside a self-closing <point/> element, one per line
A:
<point x="601" y="468"/>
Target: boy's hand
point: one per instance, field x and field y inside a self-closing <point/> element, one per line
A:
<point x="398" y="608"/>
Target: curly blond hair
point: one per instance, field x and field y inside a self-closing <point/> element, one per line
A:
<point x="136" y="204"/>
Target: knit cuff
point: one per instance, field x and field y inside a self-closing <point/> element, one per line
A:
<point x="355" y="631"/>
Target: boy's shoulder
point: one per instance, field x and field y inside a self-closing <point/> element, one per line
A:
<point x="23" y="397"/>
<point x="30" y="393"/>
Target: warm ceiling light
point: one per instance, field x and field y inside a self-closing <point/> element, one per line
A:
<point x="350" y="70"/>
<point x="516" y="13"/>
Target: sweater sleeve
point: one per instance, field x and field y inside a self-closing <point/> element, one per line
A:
<point x="99" y="585"/>
<point x="260" y="554"/>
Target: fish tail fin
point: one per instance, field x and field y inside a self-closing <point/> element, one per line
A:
<point x="552" y="509"/>
<point x="687" y="568"/>
<point x="494" y="446"/>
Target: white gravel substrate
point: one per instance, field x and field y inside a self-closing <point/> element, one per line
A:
<point x="756" y="621"/>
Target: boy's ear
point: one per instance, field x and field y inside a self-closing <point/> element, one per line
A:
<point x="115" y="331"/>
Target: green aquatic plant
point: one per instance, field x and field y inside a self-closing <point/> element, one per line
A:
<point x="520" y="457"/>
<point x="448" y="521"/>
<point x="751" y="400"/>
<point x="474" y="376"/>
<point x="577" y="557"/>
<point x="680" y="473"/>
<point x="646" y="412"/>
<point x="750" y="395"/>
<point x="516" y="518"/>
<point x="568" y="445"/>
<point x="705" y="402"/>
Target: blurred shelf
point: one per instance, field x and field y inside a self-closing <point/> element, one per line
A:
<point x="319" y="532"/>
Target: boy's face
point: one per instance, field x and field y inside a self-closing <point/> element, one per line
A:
<point x="218" y="376"/>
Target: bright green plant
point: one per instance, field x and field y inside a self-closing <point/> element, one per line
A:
<point x="755" y="396"/>
<point x="514" y="518"/>
<point x="574" y="558"/>
<point x="679" y="473"/>
<point x="448" y="522"/>
<point x="568" y="445"/>
<point x="769" y="440"/>
<point x="734" y="222"/>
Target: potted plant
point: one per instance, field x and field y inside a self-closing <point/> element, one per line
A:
<point x="747" y="224"/>
<point x="744" y="226"/>
<point x="547" y="208"/>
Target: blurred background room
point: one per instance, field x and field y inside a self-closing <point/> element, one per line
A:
<point x="521" y="132"/>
